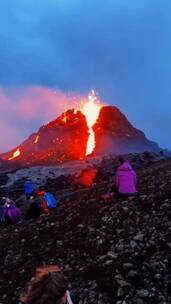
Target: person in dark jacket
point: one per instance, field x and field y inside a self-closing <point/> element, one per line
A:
<point x="34" y="209"/>
<point x="49" y="286"/>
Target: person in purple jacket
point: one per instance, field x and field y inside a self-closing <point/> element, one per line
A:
<point x="125" y="179"/>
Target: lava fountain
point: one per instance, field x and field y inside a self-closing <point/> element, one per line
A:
<point x="91" y="111"/>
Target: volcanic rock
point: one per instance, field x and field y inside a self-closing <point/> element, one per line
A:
<point x="115" y="134"/>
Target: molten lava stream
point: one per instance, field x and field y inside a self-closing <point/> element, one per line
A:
<point x="15" y="154"/>
<point x="91" y="111"/>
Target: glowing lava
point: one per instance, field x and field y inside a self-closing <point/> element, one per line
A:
<point x="36" y="139"/>
<point x="91" y="111"/>
<point x="15" y="154"/>
<point x="64" y="118"/>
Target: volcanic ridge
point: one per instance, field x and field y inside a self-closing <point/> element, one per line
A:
<point x="66" y="139"/>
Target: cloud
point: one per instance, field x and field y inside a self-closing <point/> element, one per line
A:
<point x="10" y="136"/>
<point x="25" y="109"/>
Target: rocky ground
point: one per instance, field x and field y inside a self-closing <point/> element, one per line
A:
<point x="112" y="253"/>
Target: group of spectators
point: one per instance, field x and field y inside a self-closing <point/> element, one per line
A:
<point x="28" y="206"/>
<point x="50" y="286"/>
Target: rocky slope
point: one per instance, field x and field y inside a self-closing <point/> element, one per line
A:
<point x="115" y="134"/>
<point x="112" y="253"/>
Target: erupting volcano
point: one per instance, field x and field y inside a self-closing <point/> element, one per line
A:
<point x="94" y="129"/>
<point x="91" y="111"/>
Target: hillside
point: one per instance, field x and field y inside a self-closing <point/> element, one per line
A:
<point x="115" y="134"/>
<point x="114" y="253"/>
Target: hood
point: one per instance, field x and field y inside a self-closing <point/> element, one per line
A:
<point x="125" y="167"/>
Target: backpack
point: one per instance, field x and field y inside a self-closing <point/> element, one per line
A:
<point x="13" y="213"/>
<point x="51" y="200"/>
<point x="2" y="214"/>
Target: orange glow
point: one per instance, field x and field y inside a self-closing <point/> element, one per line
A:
<point x="15" y="154"/>
<point x="87" y="177"/>
<point x="37" y="139"/>
<point x="91" y="111"/>
<point x="64" y="118"/>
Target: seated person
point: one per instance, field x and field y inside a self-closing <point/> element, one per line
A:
<point x="10" y="213"/>
<point x="49" y="201"/>
<point x="28" y="188"/>
<point x="125" y="180"/>
<point x="34" y="209"/>
<point x="44" y="202"/>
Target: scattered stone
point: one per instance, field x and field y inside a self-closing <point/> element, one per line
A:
<point x="143" y="293"/>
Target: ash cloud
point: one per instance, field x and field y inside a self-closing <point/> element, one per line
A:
<point x="120" y="48"/>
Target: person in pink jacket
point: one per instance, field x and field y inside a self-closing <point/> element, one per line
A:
<point x="125" y="179"/>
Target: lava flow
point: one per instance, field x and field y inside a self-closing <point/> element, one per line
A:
<point x="36" y="139"/>
<point x="15" y="154"/>
<point x="91" y="111"/>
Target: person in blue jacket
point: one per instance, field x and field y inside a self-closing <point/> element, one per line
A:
<point x="28" y="188"/>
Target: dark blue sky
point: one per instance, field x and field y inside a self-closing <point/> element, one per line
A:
<point x="121" y="48"/>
